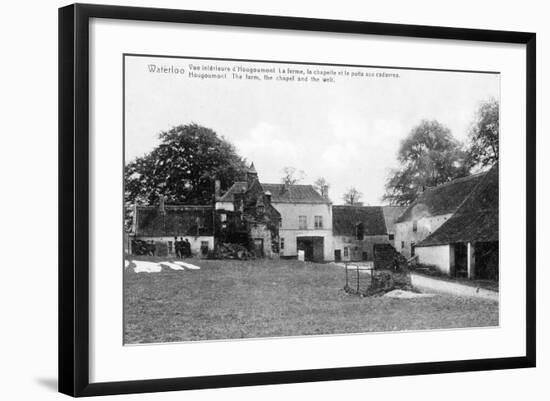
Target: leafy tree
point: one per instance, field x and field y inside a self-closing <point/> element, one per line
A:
<point x="352" y="196"/>
<point x="429" y="156"/>
<point x="291" y="175"/>
<point x="182" y="168"/>
<point x="483" y="151"/>
<point x="322" y="186"/>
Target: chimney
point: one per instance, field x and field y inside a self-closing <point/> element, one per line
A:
<point x="161" y="205"/>
<point x="324" y="191"/>
<point x="217" y="189"/>
<point x="268" y="197"/>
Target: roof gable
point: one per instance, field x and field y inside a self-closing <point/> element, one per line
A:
<point x="391" y="214"/>
<point x="237" y="187"/>
<point x="443" y="199"/>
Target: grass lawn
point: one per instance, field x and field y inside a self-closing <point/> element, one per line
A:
<point x="266" y="298"/>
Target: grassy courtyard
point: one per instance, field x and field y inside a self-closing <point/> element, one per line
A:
<point x="264" y="298"/>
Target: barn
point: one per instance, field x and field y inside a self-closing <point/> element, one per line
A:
<point x="431" y="209"/>
<point x="467" y="244"/>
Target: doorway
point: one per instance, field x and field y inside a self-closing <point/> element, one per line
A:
<point x="259" y="247"/>
<point x="313" y="248"/>
<point x="461" y="260"/>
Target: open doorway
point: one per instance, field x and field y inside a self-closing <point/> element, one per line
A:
<point x="313" y="248"/>
<point x="461" y="259"/>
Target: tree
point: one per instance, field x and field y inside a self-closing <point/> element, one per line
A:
<point x="322" y="186"/>
<point x="429" y="156"/>
<point x="182" y="168"/>
<point x="483" y="150"/>
<point x="352" y="196"/>
<point x="291" y="175"/>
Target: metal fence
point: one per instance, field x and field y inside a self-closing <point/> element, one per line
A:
<point x="359" y="277"/>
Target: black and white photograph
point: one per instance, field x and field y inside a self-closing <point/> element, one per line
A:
<point x="278" y="198"/>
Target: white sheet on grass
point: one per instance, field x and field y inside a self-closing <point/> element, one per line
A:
<point x="172" y="266"/>
<point x="146" y="267"/>
<point x="187" y="265"/>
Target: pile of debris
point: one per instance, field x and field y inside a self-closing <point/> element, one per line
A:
<point x="232" y="251"/>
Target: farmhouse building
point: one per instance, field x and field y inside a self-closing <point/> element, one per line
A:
<point x="359" y="231"/>
<point x="430" y="210"/>
<point x="162" y="223"/>
<point x="246" y="216"/>
<point x="467" y="243"/>
<point x="305" y="216"/>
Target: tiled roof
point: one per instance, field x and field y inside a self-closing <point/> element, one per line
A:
<point x="443" y="199"/>
<point x="346" y="218"/>
<point x="176" y="221"/>
<point x="476" y="220"/>
<point x="280" y="193"/>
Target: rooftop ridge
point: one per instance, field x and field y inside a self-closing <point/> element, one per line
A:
<point x="358" y="206"/>
<point x="457" y="180"/>
<point x="292" y="185"/>
<point x="174" y="205"/>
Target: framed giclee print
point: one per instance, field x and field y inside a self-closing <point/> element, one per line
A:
<point x="250" y="199"/>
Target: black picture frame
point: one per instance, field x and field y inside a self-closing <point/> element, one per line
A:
<point x="74" y="198"/>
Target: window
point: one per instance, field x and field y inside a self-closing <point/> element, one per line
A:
<point x="282" y="243"/>
<point x="302" y="222"/>
<point x="390" y="237"/>
<point x="318" y="221"/>
<point x="204" y="248"/>
<point x="346" y="252"/>
<point x="415" y="226"/>
<point x="170" y="244"/>
<point x="402" y="244"/>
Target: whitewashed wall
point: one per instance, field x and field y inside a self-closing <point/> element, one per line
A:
<point x="405" y="236"/>
<point x="195" y="242"/>
<point x="439" y="256"/>
<point x="290" y="228"/>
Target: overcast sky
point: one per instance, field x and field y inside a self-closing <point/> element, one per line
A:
<point x="347" y="131"/>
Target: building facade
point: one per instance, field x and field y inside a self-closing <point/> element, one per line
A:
<point x="161" y="224"/>
<point x="431" y="209"/>
<point x="305" y="216"/>
<point x="358" y="230"/>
